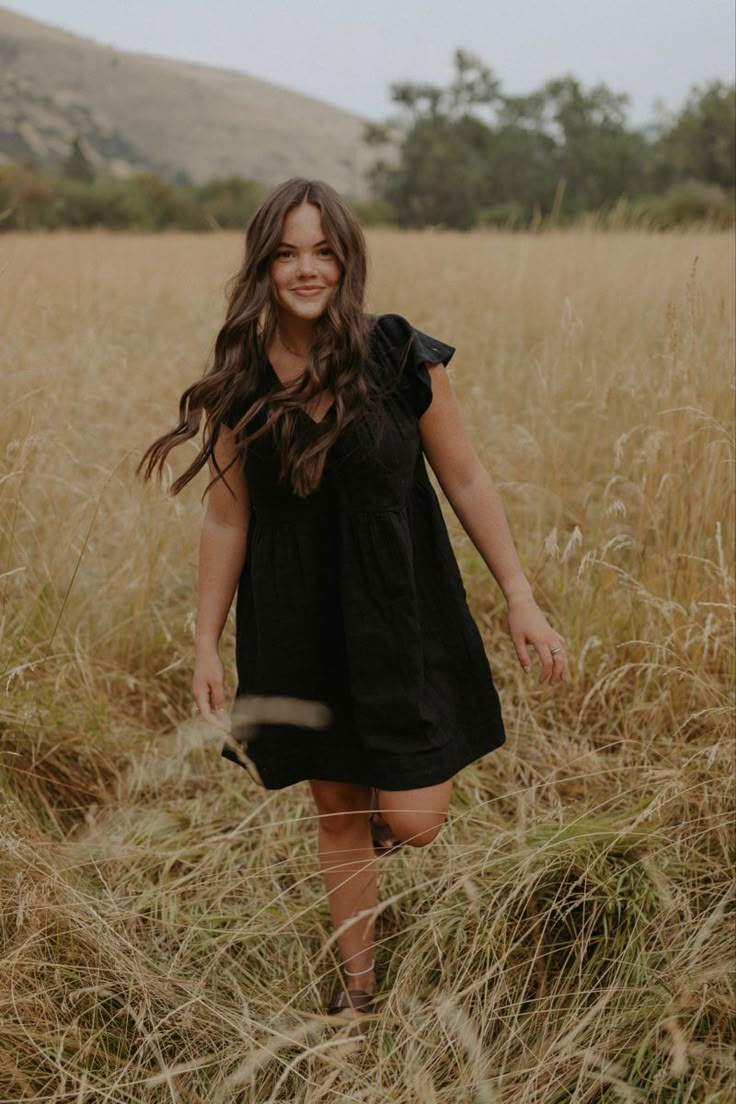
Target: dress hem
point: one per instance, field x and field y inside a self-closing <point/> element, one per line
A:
<point x="382" y="775"/>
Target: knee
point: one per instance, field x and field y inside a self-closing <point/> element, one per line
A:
<point x="340" y="808"/>
<point x="416" y="830"/>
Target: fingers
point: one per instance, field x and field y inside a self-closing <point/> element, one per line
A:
<point x="217" y="695"/>
<point x="202" y="700"/>
<point x="208" y="689"/>
<point x="554" y="667"/>
<point x="523" y="654"/>
<point x="209" y="698"/>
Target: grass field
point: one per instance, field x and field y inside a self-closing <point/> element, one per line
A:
<point x="569" y="936"/>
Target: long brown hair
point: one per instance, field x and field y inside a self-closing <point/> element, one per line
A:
<point x="237" y="380"/>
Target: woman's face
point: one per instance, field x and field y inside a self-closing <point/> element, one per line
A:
<point x="304" y="271"/>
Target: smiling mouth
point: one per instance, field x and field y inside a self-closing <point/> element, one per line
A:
<point x="308" y="290"/>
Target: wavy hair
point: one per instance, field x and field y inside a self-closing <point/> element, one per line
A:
<point x="237" y="378"/>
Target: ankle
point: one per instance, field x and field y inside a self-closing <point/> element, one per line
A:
<point x="363" y="979"/>
<point x="352" y="972"/>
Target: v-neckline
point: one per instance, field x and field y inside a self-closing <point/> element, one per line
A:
<point x="300" y="409"/>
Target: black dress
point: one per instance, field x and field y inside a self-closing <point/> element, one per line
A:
<point x="352" y="597"/>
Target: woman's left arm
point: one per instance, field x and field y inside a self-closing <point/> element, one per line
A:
<point x="474" y="498"/>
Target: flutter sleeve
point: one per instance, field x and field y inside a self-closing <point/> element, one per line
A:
<point x="424" y="350"/>
<point x="415" y="350"/>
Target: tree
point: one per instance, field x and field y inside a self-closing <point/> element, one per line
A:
<point x="228" y="202"/>
<point x="439" y="181"/>
<point x="77" y="165"/>
<point x="598" y="158"/>
<point x="469" y="149"/>
<point x="700" y="142"/>
<point x="440" y="177"/>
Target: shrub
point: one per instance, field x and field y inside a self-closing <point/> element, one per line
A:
<point x="374" y="212"/>
<point x="690" y="202"/>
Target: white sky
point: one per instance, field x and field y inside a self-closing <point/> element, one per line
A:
<point x="347" y="52"/>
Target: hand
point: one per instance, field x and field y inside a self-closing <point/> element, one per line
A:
<point x="208" y="682"/>
<point x="527" y="624"/>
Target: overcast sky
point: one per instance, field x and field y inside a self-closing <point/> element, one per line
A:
<point x="348" y="52"/>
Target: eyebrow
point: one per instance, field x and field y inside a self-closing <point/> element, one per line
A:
<point x="290" y="246"/>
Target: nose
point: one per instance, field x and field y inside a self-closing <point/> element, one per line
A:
<point x="306" y="266"/>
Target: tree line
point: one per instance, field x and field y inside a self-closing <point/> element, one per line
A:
<point x="471" y="155"/>
<point x="463" y="156"/>
<point x="31" y="198"/>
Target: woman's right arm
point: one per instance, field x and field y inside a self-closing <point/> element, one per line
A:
<point x="222" y="549"/>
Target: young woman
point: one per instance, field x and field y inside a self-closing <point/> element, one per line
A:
<point x="320" y="511"/>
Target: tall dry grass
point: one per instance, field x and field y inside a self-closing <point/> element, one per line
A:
<point x="568" y="937"/>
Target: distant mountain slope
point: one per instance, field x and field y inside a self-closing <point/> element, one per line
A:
<point x="138" y="111"/>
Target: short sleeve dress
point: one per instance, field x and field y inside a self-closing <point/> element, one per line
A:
<point x="352" y="597"/>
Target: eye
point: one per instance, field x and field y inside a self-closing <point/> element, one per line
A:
<point x="283" y="254"/>
<point x="326" y="251"/>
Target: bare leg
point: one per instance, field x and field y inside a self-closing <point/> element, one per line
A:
<point x="349" y="870"/>
<point x="415" y="816"/>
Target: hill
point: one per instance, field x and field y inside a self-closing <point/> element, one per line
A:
<point x="186" y="121"/>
